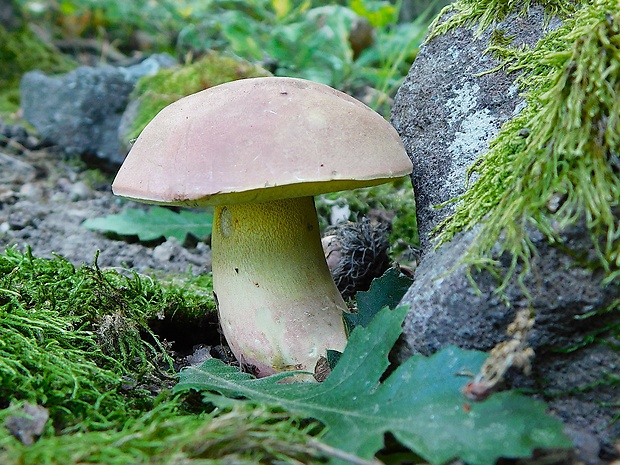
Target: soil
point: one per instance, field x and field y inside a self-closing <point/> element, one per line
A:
<point x="44" y="199"/>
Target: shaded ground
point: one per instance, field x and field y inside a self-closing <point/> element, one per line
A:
<point x="45" y="197"/>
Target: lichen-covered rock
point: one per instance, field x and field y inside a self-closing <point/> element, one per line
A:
<point x="81" y="110"/>
<point x="448" y="111"/>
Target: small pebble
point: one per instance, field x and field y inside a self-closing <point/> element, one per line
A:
<point x="30" y="191"/>
<point x="18" y="221"/>
<point x="199" y="356"/>
<point x="29" y="425"/>
<point x="79" y="191"/>
<point x="166" y="251"/>
<point x="587" y="445"/>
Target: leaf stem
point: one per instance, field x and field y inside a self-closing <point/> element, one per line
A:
<point x="342" y="455"/>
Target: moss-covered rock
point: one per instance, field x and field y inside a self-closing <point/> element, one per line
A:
<point x="513" y="128"/>
<point x="556" y="162"/>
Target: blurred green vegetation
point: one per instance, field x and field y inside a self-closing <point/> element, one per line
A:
<point x="363" y="47"/>
<point x="348" y="44"/>
<point x="22" y="51"/>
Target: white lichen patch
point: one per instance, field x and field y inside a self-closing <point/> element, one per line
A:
<point x="464" y="102"/>
<point x="472" y="140"/>
<point x="473" y="137"/>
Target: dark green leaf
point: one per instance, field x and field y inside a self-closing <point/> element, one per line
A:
<point x="420" y="403"/>
<point x="333" y="356"/>
<point x="386" y="291"/>
<point x="155" y="223"/>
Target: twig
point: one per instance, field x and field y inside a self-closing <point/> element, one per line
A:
<point x="104" y="49"/>
<point x="12" y="143"/>
<point x="514" y="352"/>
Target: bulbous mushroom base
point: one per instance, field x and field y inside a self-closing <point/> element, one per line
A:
<point x="278" y="305"/>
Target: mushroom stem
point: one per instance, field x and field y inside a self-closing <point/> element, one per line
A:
<point x="279" y="307"/>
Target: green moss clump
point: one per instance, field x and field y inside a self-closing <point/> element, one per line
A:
<point x="168" y="85"/>
<point x="556" y="162"/>
<point x="169" y="434"/>
<point x="488" y="12"/>
<point x="77" y="340"/>
<point x="22" y="51"/>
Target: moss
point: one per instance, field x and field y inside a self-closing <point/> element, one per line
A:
<point x="22" y="51"/>
<point x="485" y="13"/>
<point x="77" y="340"/>
<point x="169" y="434"/>
<point x="95" y="178"/>
<point x="168" y="85"/>
<point x="556" y="162"/>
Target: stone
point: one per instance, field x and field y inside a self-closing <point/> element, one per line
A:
<point x="9" y="17"/>
<point x="81" y="110"/>
<point x="29" y="425"/>
<point x="79" y="191"/>
<point x="149" y="66"/>
<point x="31" y="191"/>
<point x="17" y="137"/>
<point x="446" y="308"/>
<point x="447" y="112"/>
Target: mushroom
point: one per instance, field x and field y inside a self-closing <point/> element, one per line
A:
<point x="258" y="150"/>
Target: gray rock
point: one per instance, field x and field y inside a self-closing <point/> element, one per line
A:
<point x="81" y="110"/>
<point x="447" y="114"/>
<point x="149" y="66"/>
<point x="446" y="308"/>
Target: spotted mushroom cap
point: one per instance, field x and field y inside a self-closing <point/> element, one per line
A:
<point x="260" y="139"/>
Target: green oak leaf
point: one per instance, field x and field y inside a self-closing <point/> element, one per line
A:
<point x="155" y="223"/>
<point x="386" y="291"/>
<point x="420" y="402"/>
